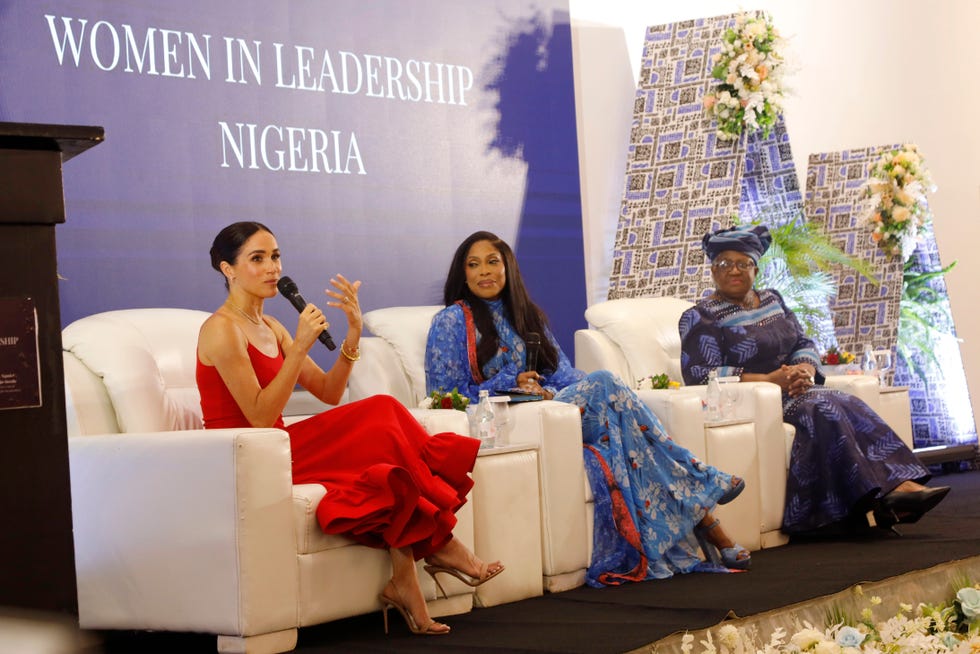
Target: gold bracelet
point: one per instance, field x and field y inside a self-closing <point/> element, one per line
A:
<point x="347" y="355"/>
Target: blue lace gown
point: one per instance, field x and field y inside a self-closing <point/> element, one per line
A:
<point x="649" y="492"/>
<point x="844" y="455"/>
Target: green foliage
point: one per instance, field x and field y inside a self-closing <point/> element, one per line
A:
<point x="836" y="614"/>
<point x="806" y="249"/>
<point x="657" y="382"/>
<point x="798" y="265"/>
<point x="450" y="400"/>
<point x="924" y="316"/>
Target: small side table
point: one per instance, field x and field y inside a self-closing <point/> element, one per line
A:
<point x="507" y="522"/>
<point x="731" y="447"/>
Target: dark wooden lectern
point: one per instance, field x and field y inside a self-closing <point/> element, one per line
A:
<point x="37" y="562"/>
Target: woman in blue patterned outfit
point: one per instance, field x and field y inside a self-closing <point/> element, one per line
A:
<point x="651" y="495"/>
<point x="845" y="460"/>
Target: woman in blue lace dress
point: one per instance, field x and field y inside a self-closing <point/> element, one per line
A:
<point x="845" y="460"/>
<point x="651" y="495"/>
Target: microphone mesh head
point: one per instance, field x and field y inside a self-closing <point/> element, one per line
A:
<point x="286" y="286"/>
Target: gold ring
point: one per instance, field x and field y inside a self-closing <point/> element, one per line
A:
<point x="346" y="299"/>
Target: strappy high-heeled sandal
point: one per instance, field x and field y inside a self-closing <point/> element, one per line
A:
<point x="726" y="556"/>
<point x="424" y="630"/>
<point x="485" y="575"/>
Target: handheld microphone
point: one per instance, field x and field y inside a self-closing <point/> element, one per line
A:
<point x="290" y="291"/>
<point x="531" y="344"/>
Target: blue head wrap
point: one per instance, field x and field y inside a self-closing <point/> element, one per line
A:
<point x="751" y="240"/>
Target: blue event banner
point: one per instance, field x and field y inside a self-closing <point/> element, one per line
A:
<point x="371" y="137"/>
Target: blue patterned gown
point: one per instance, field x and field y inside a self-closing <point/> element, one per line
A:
<point x="649" y="492"/>
<point x="844" y="455"/>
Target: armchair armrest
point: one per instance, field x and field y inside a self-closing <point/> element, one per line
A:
<point x="864" y="387"/>
<point x="762" y="403"/>
<point x="556" y="429"/>
<point x="889" y="402"/>
<point x="435" y="421"/>
<point x="680" y="411"/>
<point x="185" y="531"/>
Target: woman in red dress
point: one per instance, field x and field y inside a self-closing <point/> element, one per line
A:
<point x="390" y="485"/>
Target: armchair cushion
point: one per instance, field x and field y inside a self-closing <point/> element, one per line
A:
<point x="406" y="329"/>
<point x="145" y="360"/>
<point x="645" y="329"/>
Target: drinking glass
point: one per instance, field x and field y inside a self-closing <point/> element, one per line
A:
<point x="869" y="365"/>
<point x="883" y="360"/>
<point x="501" y="416"/>
<point x="729" y="396"/>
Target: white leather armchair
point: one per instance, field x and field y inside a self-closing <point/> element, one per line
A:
<point x="182" y="529"/>
<point x="393" y="362"/>
<point x="637" y="337"/>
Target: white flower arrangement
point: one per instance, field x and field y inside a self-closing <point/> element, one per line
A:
<point x="749" y="67"/>
<point x="896" y="209"/>
<point x="951" y="627"/>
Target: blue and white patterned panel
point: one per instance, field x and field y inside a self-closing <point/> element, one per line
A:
<point x="863" y="312"/>
<point x="769" y="186"/>
<point x="681" y="180"/>
<point x="941" y="410"/>
<point x="868" y="313"/>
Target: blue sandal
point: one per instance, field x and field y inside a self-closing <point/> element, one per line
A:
<point x="738" y="485"/>
<point x="730" y="557"/>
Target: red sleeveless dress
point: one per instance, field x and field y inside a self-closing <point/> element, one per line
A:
<point x="389" y="483"/>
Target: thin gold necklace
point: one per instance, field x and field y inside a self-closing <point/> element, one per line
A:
<point x="254" y="321"/>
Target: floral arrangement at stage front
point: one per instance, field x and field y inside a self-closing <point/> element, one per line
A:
<point x="749" y="68"/>
<point x="656" y="382"/>
<point x="896" y="207"/>
<point x="440" y="400"/>
<point x="951" y="627"/>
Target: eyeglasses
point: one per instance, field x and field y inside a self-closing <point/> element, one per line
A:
<point x="726" y="264"/>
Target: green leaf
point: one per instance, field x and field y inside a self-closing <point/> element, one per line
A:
<point x="798" y="265"/>
<point x="924" y="318"/>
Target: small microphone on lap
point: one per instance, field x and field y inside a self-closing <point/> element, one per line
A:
<point x="290" y="291"/>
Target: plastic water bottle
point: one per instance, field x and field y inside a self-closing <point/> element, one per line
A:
<point x="486" y="425"/>
<point x="713" y="396"/>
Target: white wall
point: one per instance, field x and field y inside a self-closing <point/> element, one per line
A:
<point x="866" y="72"/>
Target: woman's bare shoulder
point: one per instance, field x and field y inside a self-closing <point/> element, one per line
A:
<point x="218" y="334"/>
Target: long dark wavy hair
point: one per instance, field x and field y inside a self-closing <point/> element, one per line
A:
<point x="228" y="243"/>
<point x="523" y="313"/>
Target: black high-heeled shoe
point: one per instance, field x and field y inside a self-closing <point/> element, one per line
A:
<point x="907" y="507"/>
<point x="726" y="556"/>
